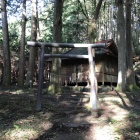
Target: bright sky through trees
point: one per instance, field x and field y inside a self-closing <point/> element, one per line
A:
<point x="14" y="16"/>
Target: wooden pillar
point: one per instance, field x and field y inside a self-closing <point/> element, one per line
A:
<point x="77" y="75"/>
<point x="93" y="90"/>
<point x="40" y="79"/>
<point x="103" y="76"/>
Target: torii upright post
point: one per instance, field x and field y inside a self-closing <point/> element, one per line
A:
<point x="93" y="89"/>
<point x="40" y="79"/>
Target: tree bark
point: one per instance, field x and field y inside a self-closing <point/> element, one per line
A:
<point x="33" y="50"/>
<point x="22" y="48"/>
<point x="121" y="47"/>
<point x="92" y="29"/>
<point x="6" y="49"/>
<point x="57" y="35"/>
<point x="92" y="23"/>
<point x="130" y="79"/>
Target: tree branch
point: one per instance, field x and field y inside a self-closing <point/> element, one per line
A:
<point x="84" y="13"/>
<point x="97" y="11"/>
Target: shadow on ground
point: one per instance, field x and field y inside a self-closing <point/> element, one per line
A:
<point x="67" y="116"/>
<point x="132" y="129"/>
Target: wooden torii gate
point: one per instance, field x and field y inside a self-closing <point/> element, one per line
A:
<point x="90" y="56"/>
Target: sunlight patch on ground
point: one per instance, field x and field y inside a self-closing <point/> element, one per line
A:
<point x="120" y="114"/>
<point x="106" y="132"/>
<point x="113" y="111"/>
<point x="18" y="92"/>
<point x="26" y="130"/>
<point x="46" y="125"/>
<point x="116" y="99"/>
<point x="22" y="134"/>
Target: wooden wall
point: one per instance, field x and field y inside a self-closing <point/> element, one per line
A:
<point x="106" y="68"/>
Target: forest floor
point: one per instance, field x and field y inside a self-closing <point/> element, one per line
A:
<point x="67" y="116"/>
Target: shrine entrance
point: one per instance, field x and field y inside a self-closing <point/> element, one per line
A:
<point x="90" y="56"/>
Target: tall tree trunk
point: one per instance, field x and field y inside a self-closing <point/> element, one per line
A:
<point x="92" y="23"/>
<point x="130" y="79"/>
<point x="57" y="35"/>
<point x="33" y="50"/>
<point x="121" y="47"/>
<point x="92" y="29"/>
<point x="6" y="49"/>
<point x="22" y="48"/>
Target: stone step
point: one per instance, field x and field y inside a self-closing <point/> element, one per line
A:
<point x="74" y="94"/>
<point x="87" y="88"/>
<point x="73" y="105"/>
<point x="76" y="88"/>
<point x="67" y="131"/>
<point x="70" y="125"/>
<point x="73" y="98"/>
<point x="67" y="97"/>
<point x="67" y="113"/>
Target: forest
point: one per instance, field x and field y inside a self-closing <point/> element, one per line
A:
<point x="78" y="22"/>
<point x="65" y="112"/>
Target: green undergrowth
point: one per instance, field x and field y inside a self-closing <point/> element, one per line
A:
<point x="132" y="129"/>
<point x="133" y="88"/>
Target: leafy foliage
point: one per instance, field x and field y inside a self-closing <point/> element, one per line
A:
<point x="76" y="14"/>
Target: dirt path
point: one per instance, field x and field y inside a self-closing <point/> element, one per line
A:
<point x="67" y="116"/>
<point x="78" y="124"/>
